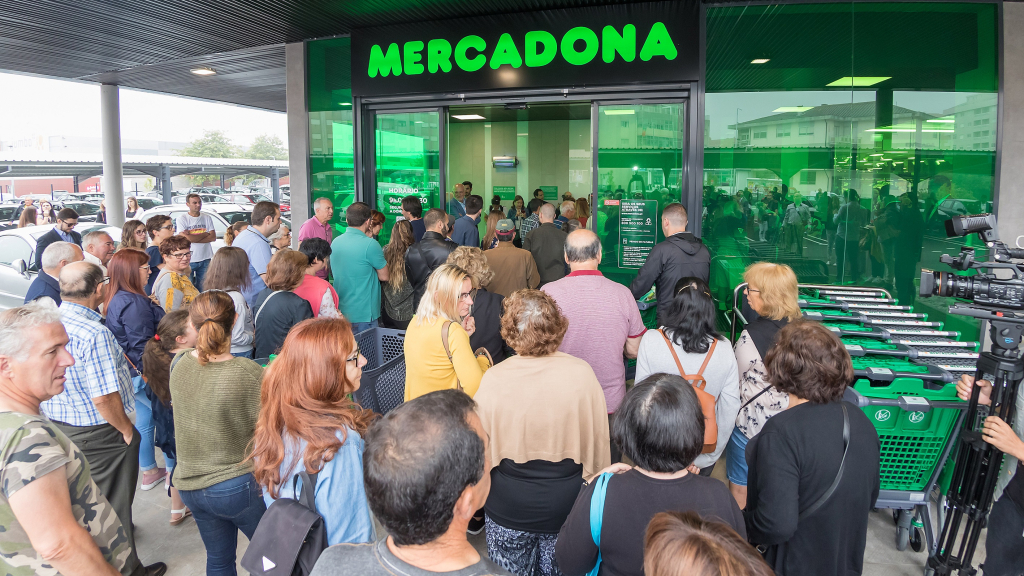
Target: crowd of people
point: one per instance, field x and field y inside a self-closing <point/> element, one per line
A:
<point x="238" y="371"/>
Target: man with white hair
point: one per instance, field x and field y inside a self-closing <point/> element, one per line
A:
<point x="97" y="394"/>
<point x="319" y="226"/>
<point x="55" y="258"/>
<point x="53" y="516"/>
<point x="568" y="211"/>
<point x="99" y="248"/>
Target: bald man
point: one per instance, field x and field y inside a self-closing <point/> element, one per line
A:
<point x="681" y="255"/>
<point x="547" y="242"/>
<point x="604" y="321"/>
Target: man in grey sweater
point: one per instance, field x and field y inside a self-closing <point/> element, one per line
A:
<point x="438" y="435"/>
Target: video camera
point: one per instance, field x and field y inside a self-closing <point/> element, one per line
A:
<point x="983" y="289"/>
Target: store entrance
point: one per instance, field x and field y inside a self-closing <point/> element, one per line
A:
<point x="509" y="150"/>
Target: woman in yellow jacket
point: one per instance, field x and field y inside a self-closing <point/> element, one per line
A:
<point x="447" y="300"/>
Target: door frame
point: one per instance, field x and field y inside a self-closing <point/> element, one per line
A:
<point x="368" y="190"/>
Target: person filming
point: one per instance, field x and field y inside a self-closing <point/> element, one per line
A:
<point x="1004" y="546"/>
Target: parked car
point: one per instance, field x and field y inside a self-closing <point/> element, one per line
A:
<point x="223" y="215"/>
<point x="87" y="211"/>
<point x="18" y="263"/>
<point x="147" y="203"/>
<point x="7" y="219"/>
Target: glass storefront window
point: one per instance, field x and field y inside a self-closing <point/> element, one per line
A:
<point x="331" y="141"/>
<point x="407" y="163"/>
<point x="842" y="153"/>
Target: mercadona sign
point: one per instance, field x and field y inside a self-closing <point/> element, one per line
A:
<point x="621" y="44"/>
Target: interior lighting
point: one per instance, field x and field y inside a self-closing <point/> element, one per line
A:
<point x="854" y="81"/>
<point x="947" y="131"/>
<point x="943" y="120"/>
<point x="468" y="117"/>
<point x="760" y="60"/>
<point x="793" y="108"/>
<point x="877" y="154"/>
<point x="621" y="112"/>
<point x="203" y="71"/>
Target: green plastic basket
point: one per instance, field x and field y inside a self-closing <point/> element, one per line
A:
<point x="911" y="442"/>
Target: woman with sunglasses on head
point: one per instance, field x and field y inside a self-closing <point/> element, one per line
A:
<point x="687" y="344"/>
<point x="159" y="228"/>
<point x="133" y="318"/>
<point x="772" y="293"/>
<point x="133" y="235"/>
<point x="309" y="423"/>
<point x="172" y="288"/>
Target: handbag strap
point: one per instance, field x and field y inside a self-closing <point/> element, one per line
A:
<point x="839" y="475"/>
<point x="444" y="340"/>
<point x="756" y="396"/>
<point x="264" y="304"/>
<point x="597" y="515"/>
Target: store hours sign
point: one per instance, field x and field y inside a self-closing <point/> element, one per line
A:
<point x="601" y="45"/>
<point x="638" y="232"/>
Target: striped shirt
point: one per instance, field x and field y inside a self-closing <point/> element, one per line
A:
<point x="100" y="369"/>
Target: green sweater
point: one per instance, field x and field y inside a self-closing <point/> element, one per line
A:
<point x="215" y="412"/>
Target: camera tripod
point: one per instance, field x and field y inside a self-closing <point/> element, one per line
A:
<point x="978" y="462"/>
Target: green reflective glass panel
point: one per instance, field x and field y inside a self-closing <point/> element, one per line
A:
<point x="842" y="150"/>
<point x="331" y="144"/>
<point x="639" y="172"/>
<point x="407" y="163"/>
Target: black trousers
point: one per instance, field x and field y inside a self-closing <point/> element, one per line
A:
<point x="114" y="466"/>
<point x="1004" y="544"/>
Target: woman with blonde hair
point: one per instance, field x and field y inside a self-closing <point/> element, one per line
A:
<point x="308" y="423"/>
<point x="491" y="236"/>
<point x="28" y="217"/>
<point x="438" y="355"/>
<point x="486" y="309"/>
<point x="233" y="231"/>
<point x="582" y="211"/>
<point x="398" y="291"/>
<point x="684" y="544"/>
<point x="133" y="235"/>
<point x="216" y="399"/>
<point x="277" y="308"/>
<point x="773" y="294"/>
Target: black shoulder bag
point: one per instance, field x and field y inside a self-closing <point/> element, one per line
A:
<point x="290" y="537"/>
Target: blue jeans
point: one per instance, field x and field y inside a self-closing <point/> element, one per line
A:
<point x="199" y="272"/>
<point x="144" y="424"/>
<point x="736" y="458"/>
<point x="220" y="511"/>
<point x="246" y="354"/>
<point x="358" y="327"/>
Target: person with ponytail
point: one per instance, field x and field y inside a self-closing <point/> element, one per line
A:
<point x="216" y="399"/>
<point x="174" y="334"/>
<point x="308" y="422"/>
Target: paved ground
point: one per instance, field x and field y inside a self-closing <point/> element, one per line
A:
<point x="182" y="549"/>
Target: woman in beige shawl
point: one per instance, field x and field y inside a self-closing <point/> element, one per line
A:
<point x="547" y="420"/>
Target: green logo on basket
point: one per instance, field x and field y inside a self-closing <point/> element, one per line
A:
<point x="916" y="417"/>
<point x="883" y="415"/>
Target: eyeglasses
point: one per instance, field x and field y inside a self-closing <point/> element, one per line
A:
<point x="105" y="280"/>
<point x="167" y="227"/>
<point x="181" y="255"/>
<point x="354" y="357"/>
<point x="466" y="296"/>
<point x="748" y="289"/>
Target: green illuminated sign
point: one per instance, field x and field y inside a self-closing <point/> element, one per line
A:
<point x="579" y="46"/>
<point x="550" y="193"/>
<point x="505" y="192"/>
<point x="638" y="231"/>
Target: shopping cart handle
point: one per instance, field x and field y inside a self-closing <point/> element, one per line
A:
<point x="906" y="403"/>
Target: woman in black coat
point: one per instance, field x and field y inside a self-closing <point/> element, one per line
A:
<point x="486" y="310"/>
<point x="813" y="468"/>
<point x="277" y="308"/>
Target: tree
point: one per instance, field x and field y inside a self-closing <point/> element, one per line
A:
<point x="213" y="144"/>
<point x="266" y="147"/>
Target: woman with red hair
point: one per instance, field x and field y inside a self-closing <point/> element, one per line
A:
<point x="307" y="422"/>
<point x="133" y="319"/>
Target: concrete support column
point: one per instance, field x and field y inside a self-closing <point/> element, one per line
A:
<point x="1011" y="127"/>
<point x="298" y="135"/>
<point x="74" y="184"/>
<point x="165" y="182"/>
<point x="113" y="175"/>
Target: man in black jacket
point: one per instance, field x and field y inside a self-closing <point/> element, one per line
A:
<point x="681" y="255"/>
<point x="429" y="253"/>
<point x="64" y="231"/>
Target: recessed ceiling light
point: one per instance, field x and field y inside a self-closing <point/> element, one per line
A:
<point x="946" y="120"/>
<point x="793" y="108"/>
<point x="203" y="71"/>
<point x="468" y="117"/>
<point x="858" y="81"/>
<point x="620" y="112"/>
<point x="760" y="60"/>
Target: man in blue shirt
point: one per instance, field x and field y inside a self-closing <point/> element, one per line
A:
<point x="266" y="219"/>
<point x="456" y="205"/>
<point x="55" y="258"/>
<point x="359" y="267"/>
<point x="466" y="232"/>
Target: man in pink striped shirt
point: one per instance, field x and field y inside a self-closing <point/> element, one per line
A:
<point x="319" y="226"/>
